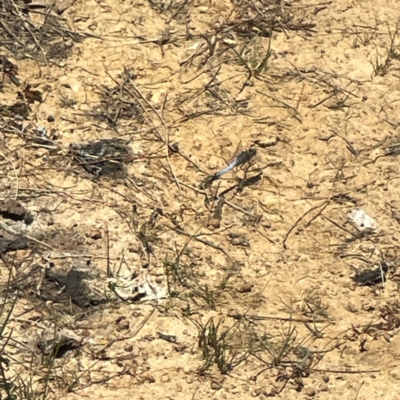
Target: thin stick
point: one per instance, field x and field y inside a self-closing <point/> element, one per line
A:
<point x="165" y="140"/>
<point x="143" y="323"/>
<point x="197" y="239"/>
<point x="109" y="272"/>
<point x="322" y="206"/>
<point x="237" y="208"/>
<point x="358" y="391"/>
<point x="341" y="371"/>
<point x="382" y="274"/>
<point x="26" y="26"/>
<point x="15" y="171"/>
<point x="40" y="242"/>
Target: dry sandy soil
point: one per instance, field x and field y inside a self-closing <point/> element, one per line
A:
<point x="127" y="272"/>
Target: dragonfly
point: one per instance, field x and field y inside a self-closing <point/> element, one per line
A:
<point x="242" y="158"/>
<point x="218" y="199"/>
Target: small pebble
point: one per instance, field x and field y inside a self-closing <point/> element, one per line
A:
<point x="256" y="392"/>
<point x="214" y="223"/>
<point x="215" y="386"/>
<point x="245" y="288"/>
<point x="95" y="234"/>
<point x="124" y="324"/>
<point x="323" y="388"/>
<point x="310" y="392"/>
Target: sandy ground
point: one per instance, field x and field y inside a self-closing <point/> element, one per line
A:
<point x="258" y="301"/>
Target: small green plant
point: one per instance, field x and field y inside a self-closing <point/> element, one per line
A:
<point x="185" y="284"/>
<point x="7" y="385"/>
<point x="13" y="385"/>
<point x="381" y="66"/>
<point x="254" y="58"/>
<point x="312" y="306"/>
<point x="148" y="231"/>
<point x="279" y="350"/>
<point x="363" y="38"/>
<point x="226" y="347"/>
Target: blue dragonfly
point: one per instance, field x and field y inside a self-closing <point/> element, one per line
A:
<point x="242" y="158"/>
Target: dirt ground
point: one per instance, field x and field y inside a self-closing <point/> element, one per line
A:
<point x="128" y="270"/>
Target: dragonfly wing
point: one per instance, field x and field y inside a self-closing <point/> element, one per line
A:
<point x="230" y="156"/>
